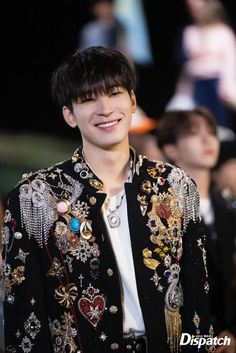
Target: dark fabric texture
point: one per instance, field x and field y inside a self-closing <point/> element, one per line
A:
<point x="39" y="315"/>
<point x="221" y="265"/>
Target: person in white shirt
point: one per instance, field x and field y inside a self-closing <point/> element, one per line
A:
<point x="206" y="55"/>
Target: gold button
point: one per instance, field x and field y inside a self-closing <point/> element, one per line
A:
<point x="92" y="200"/>
<point x="114" y="346"/>
<point x="129" y="347"/>
<point x="138" y="347"/>
<point x="109" y="272"/>
<point x="113" y="309"/>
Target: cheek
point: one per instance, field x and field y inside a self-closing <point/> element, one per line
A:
<point x="217" y="146"/>
<point x="82" y="117"/>
<point x="188" y="147"/>
<point x="124" y="105"/>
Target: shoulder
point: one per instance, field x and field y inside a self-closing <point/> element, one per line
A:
<point x="168" y="178"/>
<point x="224" y="28"/>
<point x="33" y="201"/>
<point x="91" y="27"/>
<point x="172" y="173"/>
<point x="38" y="179"/>
<point x="222" y="200"/>
<point x="227" y="36"/>
<point x="190" y="29"/>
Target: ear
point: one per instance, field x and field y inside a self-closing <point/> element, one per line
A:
<point x="133" y="101"/>
<point x="69" y="117"/>
<point x="170" y="151"/>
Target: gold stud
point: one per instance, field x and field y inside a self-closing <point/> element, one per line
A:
<point x="114" y="346"/>
<point x="113" y="309"/>
<point x="110" y="272"/>
<point x="92" y="200"/>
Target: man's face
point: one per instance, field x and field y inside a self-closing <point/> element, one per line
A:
<point x="199" y="148"/>
<point x="104" y="121"/>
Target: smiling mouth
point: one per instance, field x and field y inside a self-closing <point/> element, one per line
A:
<point x="108" y="123"/>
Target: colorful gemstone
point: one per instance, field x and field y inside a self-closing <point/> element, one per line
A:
<point x="74" y="225"/>
<point x="63" y="206"/>
<point x="167" y="273"/>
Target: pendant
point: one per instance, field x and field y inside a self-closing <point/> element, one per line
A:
<point x="113" y="220"/>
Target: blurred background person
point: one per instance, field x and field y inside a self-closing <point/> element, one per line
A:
<point x="188" y="138"/>
<point x="104" y="28"/>
<point x="133" y="18"/>
<point x="225" y="174"/>
<point x="207" y="59"/>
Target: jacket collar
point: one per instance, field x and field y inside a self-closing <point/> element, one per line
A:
<point x="93" y="182"/>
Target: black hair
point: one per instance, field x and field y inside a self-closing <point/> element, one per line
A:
<point x="95" y="2"/>
<point x="227" y="152"/>
<point x="177" y="123"/>
<point x="93" y="71"/>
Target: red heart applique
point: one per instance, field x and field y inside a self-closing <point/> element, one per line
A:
<point x="92" y="310"/>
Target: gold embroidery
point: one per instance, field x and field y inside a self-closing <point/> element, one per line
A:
<point x="66" y="295"/>
<point x="146" y="186"/>
<point x="174" y="329"/>
<point x="148" y="261"/>
<point x="96" y="184"/>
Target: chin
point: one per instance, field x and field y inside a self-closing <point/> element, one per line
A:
<point x="110" y="145"/>
<point x="114" y="142"/>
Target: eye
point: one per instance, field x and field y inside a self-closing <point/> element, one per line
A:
<point x="211" y="131"/>
<point x="87" y="99"/>
<point x="116" y="92"/>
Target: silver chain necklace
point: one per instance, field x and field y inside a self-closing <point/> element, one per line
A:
<point x="113" y="218"/>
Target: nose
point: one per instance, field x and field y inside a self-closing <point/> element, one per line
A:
<point x="105" y="106"/>
<point x="207" y="138"/>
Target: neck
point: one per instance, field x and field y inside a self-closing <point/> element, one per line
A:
<point x="111" y="166"/>
<point x="202" y="178"/>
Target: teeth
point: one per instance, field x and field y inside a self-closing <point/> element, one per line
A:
<point x="111" y="123"/>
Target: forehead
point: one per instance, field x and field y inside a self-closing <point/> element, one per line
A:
<point x="195" y="123"/>
<point x="197" y="120"/>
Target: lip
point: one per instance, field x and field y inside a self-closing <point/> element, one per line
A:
<point x="209" y="152"/>
<point x="105" y="125"/>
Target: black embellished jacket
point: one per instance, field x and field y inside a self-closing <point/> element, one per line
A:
<point x="62" y="291"/>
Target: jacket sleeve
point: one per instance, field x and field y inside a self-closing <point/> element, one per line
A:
<point x="26" y="325"/>
<point x="195" y="309"/>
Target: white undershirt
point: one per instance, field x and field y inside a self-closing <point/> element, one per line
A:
<point x="120" y="240"/>
<point x="206" y="210"/>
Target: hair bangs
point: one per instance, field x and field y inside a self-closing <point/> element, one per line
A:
<point x="100" y="80"/>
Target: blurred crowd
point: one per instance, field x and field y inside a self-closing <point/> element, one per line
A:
<point x="195" y="132"/>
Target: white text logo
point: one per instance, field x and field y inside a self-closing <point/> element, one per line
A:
<point x="199" y="340"/>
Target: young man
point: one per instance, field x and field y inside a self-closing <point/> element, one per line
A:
<point x="189" y="140"/>
<point x="103" y="252"/>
